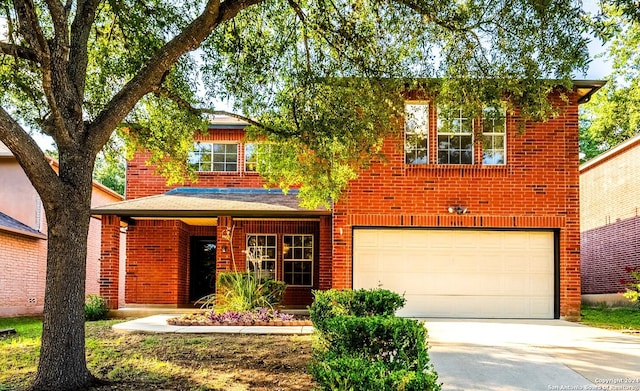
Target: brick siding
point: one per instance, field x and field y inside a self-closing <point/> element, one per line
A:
<point x="23" y="263"/>
<point x="605" y="253"/>
<point x="538" y="188"/>
<point x="158" y="256"/>
<point x="609" y="218"/>
<point x="143" y="181"/>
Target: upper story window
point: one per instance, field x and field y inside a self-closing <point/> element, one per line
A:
<point x="455" y="136"/>
<point x="214" y="157"/>
<point x="416" y="133"/>
<point x="250" y="157"/>
<point x="494" y="130"/>
<point x="261" y="255"/>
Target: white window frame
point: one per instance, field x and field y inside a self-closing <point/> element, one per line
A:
<point x="457" y="131"/>
<point x="493" y="135"/>
<point x="258" y="250"/>
<point x="197" y="156"/>
<point x="291" y="249"/>
<point x="254" y="153"/>
<point x="419" y="129"/>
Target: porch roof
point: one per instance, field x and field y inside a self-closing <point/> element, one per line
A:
<point x="212" y="202"/>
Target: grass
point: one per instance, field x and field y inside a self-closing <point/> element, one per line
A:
<point x="621" y="319"/>
<point x="167" y="361"/>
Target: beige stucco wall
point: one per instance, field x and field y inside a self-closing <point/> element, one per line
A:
<point x="18" y="198"/>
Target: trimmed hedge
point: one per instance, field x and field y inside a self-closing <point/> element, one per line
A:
<point x="361" y="345"/>
<point x="398" y="342"/>
<point x="357" y="373"/>
<point x="362" y="302"/>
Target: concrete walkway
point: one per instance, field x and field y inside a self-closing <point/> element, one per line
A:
<point x="532" y="355"/>
<point x="158" y="324"/>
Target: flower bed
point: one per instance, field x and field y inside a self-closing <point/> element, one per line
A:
<point x="259" y="317"/>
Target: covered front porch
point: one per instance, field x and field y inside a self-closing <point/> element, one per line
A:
<point x="177" y="243"/>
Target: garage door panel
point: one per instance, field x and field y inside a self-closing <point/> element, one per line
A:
<point x="459" y="273"/>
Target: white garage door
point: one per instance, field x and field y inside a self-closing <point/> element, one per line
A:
<point x="459" y="273"/>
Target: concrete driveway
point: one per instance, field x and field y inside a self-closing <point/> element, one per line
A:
<point x="532" y="355"/>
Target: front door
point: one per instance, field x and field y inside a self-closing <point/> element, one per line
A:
<point x="202" y="276"/>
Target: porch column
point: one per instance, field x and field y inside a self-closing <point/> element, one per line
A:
<point x="325" y="256"/>
<point x="223" y="253"/>
<point x="110" y="260"/>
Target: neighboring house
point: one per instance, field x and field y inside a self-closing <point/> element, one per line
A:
<point x="610" y="220"/>
<point x="469" y="217"/>
<point x="23" y="240"/>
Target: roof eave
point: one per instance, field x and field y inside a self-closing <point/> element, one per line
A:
<point x="210" y="213"/>
<point x="592" y="86"/>
<point x="40" y="236"/>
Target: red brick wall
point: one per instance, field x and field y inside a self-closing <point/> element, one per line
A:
<point x="158" y="256"/>
<point x="606" y="251"/>
<point x="110" y="260"/>
<point x="156" y="262"/>
<point x="143" y="181"/>
<point x="538" y="188"/>
<point x="609" y="218"/>
<point x="23" y="262"/>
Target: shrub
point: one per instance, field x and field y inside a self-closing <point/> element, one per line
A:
<point x="351" y="372"/>
<point x="361" y="345"/>
<point x="244" y="292"/>
<point x="633" y="285"/>
<point x="398" y="342"/>
<point x="95" y="308"/>
<point x="362" y="302"/>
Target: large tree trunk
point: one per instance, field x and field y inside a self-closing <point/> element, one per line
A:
<point x="62" y="363"/>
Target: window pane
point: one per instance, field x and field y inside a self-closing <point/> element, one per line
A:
<point x="250" y="161"/>
<point x="299" y="260"/>
<point x="443" y="157"/>
<point x="416" y="130"/>
<point x="493" y="143"/>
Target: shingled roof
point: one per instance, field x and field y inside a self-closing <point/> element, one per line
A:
<point x="10" y="224"/>
<point x="210" y="202"/>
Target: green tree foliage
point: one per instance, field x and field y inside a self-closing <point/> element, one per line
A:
<point x="322" y="78"/>
<point x="613" y="115"/>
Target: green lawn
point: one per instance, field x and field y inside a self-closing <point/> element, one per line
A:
<point x="167" y="361"/>
<point x="624" y="318"/>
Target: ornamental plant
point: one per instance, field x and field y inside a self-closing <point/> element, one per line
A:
<point x="95" y="308"/>
<point x="256" y="315"/>
<point x="632" y="285"/>
<point x="246" y="291"/>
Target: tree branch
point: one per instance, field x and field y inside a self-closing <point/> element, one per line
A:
<point x="78" y="55"/>
<point x="151" y="75"/>
<point x="185" y="105"/>
<point x="29" y="155"/>
<point x="31" y="31"/>
<point x="300" y="14"/>
<point x="18" y="51"/>
<point x="59" y="20"/>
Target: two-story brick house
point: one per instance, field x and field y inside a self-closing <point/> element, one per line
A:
<point x="469" y="217"/>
